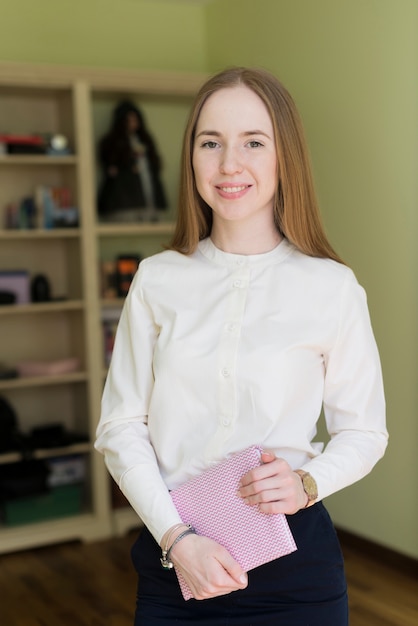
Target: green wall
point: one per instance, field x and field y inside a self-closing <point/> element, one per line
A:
<point x="352" y="66"/>
<point x="137" y="34"/>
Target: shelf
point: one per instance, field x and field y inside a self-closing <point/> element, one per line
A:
<point x="148" y="82"/>
<point x="41" y="307"/>
<point x="112" y="303"/>
<point x="42" y="381"/>
<point x="47" y="453"/>
<point x="76" y="102"/>
<point x="40" y="233"/>
<point x="142" y="228"/>
<point x="86" y="526"/>
<point x="37" y="159"/>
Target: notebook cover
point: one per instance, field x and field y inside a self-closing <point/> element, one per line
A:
<point x="209" y="503"/>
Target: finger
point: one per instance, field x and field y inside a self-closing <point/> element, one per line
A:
<point x="222" y="579"/>
<point x="233" y="568"/>
<point x="267" y="456"/>
<point x="253" y="490"/>
<point x="214" y="575"/>
<point x="279" y="506"/>
<point x="274" y="467"/>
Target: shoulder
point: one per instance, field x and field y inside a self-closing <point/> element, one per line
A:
<point x="322" y="283"/>
<point x="162" y="267"/>
<point x="166" y="258"/>
<point x="328" y="290"/>
<point x="320" y="270"/>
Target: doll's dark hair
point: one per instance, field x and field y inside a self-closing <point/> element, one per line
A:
<point x="118" y="132"/>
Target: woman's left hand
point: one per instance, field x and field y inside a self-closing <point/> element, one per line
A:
<point x="273" y="486"/>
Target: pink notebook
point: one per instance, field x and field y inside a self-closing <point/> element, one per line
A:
<point x="209" y="503"/>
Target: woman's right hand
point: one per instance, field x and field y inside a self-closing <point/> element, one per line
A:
<point x="207" y="567"/>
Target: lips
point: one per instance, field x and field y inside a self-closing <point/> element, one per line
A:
<point x="232" y="189"/>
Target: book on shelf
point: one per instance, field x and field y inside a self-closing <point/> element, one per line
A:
<point x="110" y="319"/>
<point x="116" y="275"/>
<point x="12" y="143"/>
<point x="54" y="208"/>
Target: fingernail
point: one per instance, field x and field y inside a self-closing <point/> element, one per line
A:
<point x="243" y="579"/>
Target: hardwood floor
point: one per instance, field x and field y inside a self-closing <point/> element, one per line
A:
<point x="94" y="585"/>
<point x="380" y="593"/>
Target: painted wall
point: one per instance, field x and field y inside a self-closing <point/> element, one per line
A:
<point x="135" y="34"/>
<point x="352" y="66"/>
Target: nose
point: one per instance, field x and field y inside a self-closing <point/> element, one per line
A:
<point x="230" y="161"/>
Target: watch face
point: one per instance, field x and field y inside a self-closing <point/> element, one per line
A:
<point x="310" y="487"/>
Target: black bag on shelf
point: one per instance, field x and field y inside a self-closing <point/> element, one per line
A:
<point x="24" y="479"/>
<point x="53" y="436"/>
<point x="11" y="439"/>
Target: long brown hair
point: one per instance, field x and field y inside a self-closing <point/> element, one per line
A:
<point x="296" y="211"/>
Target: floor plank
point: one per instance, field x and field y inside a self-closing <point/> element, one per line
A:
<point x="94" y="585"/>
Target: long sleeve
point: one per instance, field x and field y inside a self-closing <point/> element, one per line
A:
<point x="122" y="434"/>
<point x="354" y="405"/>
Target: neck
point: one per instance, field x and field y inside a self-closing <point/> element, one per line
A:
<point x="240" y="241"/>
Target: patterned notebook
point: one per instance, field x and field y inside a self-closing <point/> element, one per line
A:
<point x="209" y="503"/>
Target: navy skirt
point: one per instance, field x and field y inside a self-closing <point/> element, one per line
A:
<point x="305" y="588"/>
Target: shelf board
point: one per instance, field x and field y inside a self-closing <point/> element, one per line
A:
<point x="37" y="159"/>
<point x="150" y="82"/>
<point x="86" y="526"/>
<point x="136" y="228"/>
<point x="47" y="453"/>
<point x="42" y="381"/>
<point x="42" y="307"/>
<point x="40" y="233"/>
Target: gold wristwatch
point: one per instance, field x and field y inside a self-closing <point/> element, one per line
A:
<point x="309" y="485"/>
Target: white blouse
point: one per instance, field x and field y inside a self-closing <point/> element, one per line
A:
<point x="217" y="351"/>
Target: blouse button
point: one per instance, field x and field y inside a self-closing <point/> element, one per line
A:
<point x="225" y="372"/>
<point x="237" y="283"/>
<point x="226" y="421"/>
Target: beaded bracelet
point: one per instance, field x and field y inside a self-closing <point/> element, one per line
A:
<point x="165" y="558"/>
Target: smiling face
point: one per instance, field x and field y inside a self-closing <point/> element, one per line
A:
<point x="234" y="158"/>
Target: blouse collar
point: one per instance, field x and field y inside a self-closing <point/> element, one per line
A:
<point x="228" y="259"/>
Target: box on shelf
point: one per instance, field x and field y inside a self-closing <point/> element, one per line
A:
<point x="16" y="282"/>
<point x="61" y="501"/>
<point x="66" y="470"/>
<point x="48" y="368"/>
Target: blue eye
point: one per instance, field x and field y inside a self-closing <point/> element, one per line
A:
<point x="255" y="144"/>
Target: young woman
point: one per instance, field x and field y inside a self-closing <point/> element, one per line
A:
<point x="239" y="334"/>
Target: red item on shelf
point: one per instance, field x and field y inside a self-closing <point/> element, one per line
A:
<point x="32" y="140"/>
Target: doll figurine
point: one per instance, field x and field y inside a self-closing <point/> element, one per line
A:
<point x="131" y="165"/>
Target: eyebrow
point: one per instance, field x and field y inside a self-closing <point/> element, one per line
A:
<point x="247" y="133"/>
